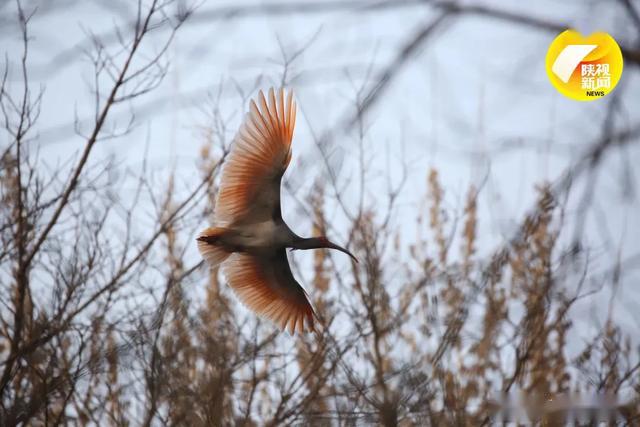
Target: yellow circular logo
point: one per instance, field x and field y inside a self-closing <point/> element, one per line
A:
<point x="584" y="68"/>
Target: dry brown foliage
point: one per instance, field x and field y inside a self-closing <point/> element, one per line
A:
<point x="106" y="317"/>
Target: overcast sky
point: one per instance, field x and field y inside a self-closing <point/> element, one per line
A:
<point x="477" y="85"/>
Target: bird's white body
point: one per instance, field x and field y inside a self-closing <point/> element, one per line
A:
<point x="260" y="236"/>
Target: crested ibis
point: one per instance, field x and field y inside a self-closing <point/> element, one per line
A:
<point x="249" y="237"/>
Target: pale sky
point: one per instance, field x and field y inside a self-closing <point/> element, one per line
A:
<point x="477" y="85"/>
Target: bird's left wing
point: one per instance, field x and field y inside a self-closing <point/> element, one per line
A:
<point x="266" y="285"/>
<point x="250" y="184"/>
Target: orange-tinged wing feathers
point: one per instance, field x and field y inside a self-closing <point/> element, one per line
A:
<point x="267" y="287"/>
<point x="250" y="183"/>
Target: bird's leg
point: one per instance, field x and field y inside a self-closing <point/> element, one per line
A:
<point x="209" y="239"/>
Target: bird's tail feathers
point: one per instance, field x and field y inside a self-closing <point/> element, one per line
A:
<point x="210" y="247"/>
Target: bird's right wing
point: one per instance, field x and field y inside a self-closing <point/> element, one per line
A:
<point x="250" y="184"/>
<point x="266" y="285"/>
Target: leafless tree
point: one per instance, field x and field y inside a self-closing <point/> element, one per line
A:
<point x="106" y="317"/>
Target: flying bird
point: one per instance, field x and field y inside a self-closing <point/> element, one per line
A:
<point x="249" y="237"/>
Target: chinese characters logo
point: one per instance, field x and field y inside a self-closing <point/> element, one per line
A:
<point x="584" y="68"/>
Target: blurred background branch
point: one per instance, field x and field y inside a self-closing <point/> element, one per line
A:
<point x="493" y="220"/>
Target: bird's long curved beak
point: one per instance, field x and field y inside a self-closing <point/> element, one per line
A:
<point x="332" y="245"/>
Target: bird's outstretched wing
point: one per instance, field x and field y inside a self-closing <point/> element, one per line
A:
<point x="266" y="286"/>
<point x="250" y="184"/>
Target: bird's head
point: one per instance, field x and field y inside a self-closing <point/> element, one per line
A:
<point x="322" y="242"/>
